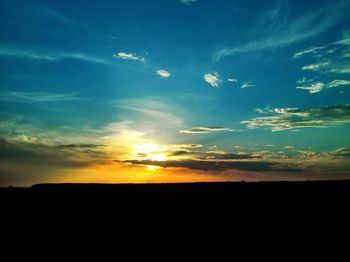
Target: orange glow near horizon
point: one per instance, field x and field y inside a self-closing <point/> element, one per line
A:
<point x="124" y="173"/>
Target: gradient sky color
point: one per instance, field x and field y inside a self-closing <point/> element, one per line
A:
<point x="174" y="91"/>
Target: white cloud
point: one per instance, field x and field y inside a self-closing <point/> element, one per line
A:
<point x="126" y="56"/>
<point x="213" y="79"/>
<point x="163" y="73"/>
<point x="233" y="80"/>
<point x="188" y="2"/>
<point x="247" y="84"/>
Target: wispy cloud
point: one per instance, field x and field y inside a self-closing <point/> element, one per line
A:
<point x="337" y="83"/>
<point x="38" y="97"/>
<point x="129" y="56"/>
<point x="283" y="30"/>
<point x="154" y="117"/>
<point x="49" y="55"/>
<point x="212" y="79"/>
<point x="342" y="152"/>
<point x="205" y="130"/>
<point x="282" y="119"/>
<point x="341" y="69"/>
<point x="247" y="84"/>
<point x="157" y="110"/>
<point x="243" y="85"/>
<point x="206" y="165"/>
<point x="44" y="11"/>
<point x="328" y="49"/>
<point x="315" y="67"/>
<point x="313" y="87"/>
<point x="51" y="13"/>
<point x="163" y="73"/>
<point x="79" y="146"/>
<point x="42" y="155"/>
<point x="291" y="160"/>
<point x="188" y="2"/>
<point x="317" y="87"/>
<point x="311" y="50"/>
<point x="329" y="58"/>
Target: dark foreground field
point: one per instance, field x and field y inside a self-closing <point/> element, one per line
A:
<point x="308" y="195"/>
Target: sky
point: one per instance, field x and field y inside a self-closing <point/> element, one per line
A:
<point x="174" y="91"/>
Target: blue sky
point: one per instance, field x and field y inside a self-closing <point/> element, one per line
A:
<point x="211" y="90"/>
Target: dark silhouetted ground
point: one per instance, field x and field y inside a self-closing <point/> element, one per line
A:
<point x="230" y="196"/>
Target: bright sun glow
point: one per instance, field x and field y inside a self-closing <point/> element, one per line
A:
<point x="158" y="157"/>
<point x="152" y="152"/>
<point x="147" y="148"/>
<point x="152" y="168"/>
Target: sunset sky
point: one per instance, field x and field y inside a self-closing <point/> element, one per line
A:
<point x="157" y="91"/>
